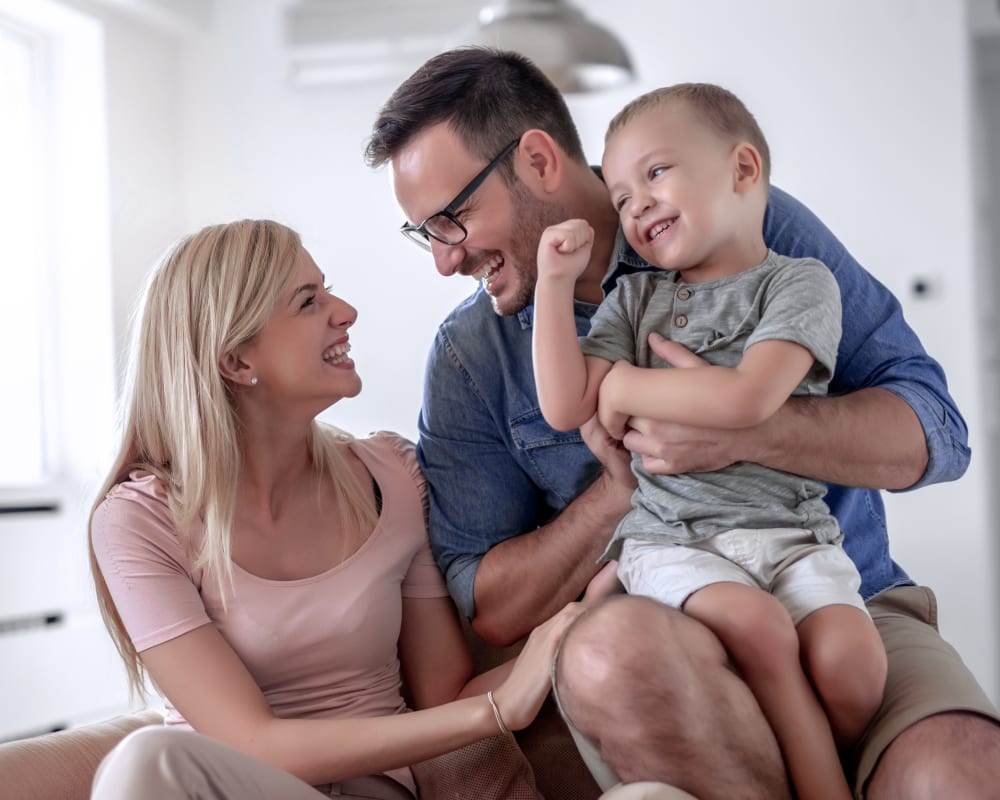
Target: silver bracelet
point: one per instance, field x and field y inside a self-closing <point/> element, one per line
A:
<point x="496" y="712"/>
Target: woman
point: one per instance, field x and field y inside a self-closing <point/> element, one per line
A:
<point x="265" y="570"/>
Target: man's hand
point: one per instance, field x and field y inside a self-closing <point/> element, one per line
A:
<point x="604" y="584"/>
<point x="612" y="454"/>
<point x="669" y="448"/>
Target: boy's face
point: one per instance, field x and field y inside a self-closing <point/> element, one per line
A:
<point x="672" y="181"/>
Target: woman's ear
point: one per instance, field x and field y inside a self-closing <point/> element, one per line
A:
<point x="235" y="370"/>
<point x="748" y="170"/>
<point x="540" y="161"/>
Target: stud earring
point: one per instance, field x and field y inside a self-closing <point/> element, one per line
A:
<point x="253" y="381"/>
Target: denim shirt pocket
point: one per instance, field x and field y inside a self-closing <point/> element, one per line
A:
<point x="561" y="462"/>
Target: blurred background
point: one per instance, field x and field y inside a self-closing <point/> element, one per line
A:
<point x="125" y="124"/>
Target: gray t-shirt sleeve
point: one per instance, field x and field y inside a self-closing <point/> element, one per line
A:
<point x="802" y="305"/>
<point x="612" y="334"/>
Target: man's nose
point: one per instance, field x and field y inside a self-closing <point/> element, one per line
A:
<point x="447" y="257"/>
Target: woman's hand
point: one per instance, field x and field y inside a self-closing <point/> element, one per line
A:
<point x="521" y="695"/>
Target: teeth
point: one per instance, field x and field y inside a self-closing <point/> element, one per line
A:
<point x="657" y="230"/>
<point x="488" y="266"/>
<point x="337" y="353"/>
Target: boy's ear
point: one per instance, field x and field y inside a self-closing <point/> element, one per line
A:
<point x="748" y="170"/>
<point x="540" y="161"/>
<point x="234" y="369"/>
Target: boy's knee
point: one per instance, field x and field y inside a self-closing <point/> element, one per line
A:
<point x="763" y="635"/>
<point x="851" y="679"/>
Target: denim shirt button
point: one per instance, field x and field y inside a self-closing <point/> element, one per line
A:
<point x="681" y="320"/>
<point x="684" y="293"/>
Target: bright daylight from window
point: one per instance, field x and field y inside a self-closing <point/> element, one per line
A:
<point x="22" y="431"/>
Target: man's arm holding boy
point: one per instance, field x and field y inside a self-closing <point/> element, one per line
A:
<point x="509" y="562"/>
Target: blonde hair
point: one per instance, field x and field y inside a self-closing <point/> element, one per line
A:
<point x="211" y="292"/>
<point x="719" y="108"/>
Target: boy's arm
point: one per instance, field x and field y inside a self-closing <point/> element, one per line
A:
<point x="566" y="380"/>
<point x="889" y="422"/>
<point x="721" y="397"/>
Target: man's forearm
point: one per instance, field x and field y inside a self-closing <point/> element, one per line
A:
<point x="524" y="580"/>
<point x="870" y="438"/>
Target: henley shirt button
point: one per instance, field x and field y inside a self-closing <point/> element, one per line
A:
<point x="680" y="320"/>
<point x="683" y="293"/>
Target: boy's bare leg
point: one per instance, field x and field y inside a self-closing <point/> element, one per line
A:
<point x="845" y="660"/>
<point x="653" y="688"/>
<point x="759" y="634"/>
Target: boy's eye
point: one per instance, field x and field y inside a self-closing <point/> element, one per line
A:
<point x="620" y="203"/>
<point x="655" y="172"/>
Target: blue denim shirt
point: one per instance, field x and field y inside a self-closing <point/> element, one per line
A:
<point x="495" y="469"/>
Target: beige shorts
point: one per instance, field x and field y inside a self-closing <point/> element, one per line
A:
<point x="926" y="676"/>
<point x="789" y="563"/>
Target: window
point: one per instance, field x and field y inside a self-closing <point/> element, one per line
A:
<point x="57" y="386"/>
<point x="22" y="417"/>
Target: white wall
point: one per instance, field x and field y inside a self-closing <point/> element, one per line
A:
<point x="866" y="106"/>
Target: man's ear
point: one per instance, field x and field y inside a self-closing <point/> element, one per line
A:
<point x="540" y="161"/>
<point x="234" y="369"/>
<point x="748" y="171"/>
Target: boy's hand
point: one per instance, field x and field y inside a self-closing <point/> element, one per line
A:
<point x="564" y="250"/>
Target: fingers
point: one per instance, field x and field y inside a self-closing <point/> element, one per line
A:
<point x="677" y="355"/>
<point x="569" y="236"/>
<point x="521" y="695"/>
<point x="604" y="584"/>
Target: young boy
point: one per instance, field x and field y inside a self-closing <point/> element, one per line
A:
<point x="687" y="169"/>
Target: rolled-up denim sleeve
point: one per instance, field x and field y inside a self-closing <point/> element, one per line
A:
<point x="479" y="495"/>
<point x="878" y="348"/>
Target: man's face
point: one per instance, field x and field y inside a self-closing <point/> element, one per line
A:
<point x="504" y="223"/>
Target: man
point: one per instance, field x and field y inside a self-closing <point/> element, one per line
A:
<point x="484" y="156"/>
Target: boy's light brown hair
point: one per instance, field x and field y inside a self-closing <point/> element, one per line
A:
<point x="719" y="108"/>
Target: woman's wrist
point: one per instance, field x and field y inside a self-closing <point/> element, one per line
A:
<point x="504" y="730"/>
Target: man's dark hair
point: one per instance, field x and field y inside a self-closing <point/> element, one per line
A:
<point x="489" y="97"/>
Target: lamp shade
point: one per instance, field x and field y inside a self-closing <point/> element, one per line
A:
<point x="576" y="54"/>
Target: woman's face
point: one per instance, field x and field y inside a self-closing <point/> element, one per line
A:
<point x="301" y="355"/>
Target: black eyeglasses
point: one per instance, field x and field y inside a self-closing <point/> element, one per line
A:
<point x="444" y="225"/>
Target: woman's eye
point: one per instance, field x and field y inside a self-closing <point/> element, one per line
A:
<point x="655" y="172"/>
<point x="310" y="300"/>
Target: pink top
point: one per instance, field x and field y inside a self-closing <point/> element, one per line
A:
<point x="323" y="646"/>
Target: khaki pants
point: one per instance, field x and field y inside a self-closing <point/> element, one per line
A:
<point x="160" y="763"/>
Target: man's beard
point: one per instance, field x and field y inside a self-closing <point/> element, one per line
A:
<point x="531" y="217"/>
